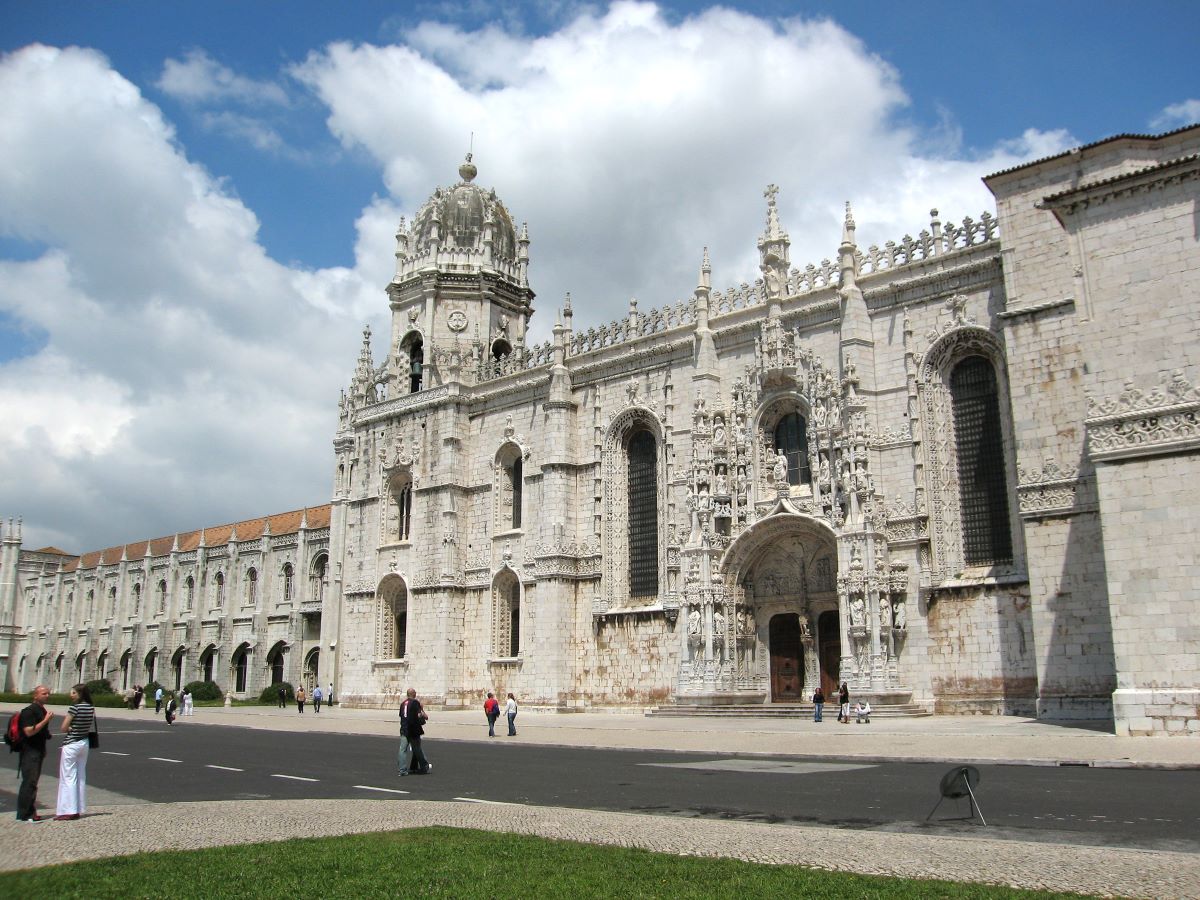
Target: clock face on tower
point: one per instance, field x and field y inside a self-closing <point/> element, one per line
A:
<point x="457" y="320"/>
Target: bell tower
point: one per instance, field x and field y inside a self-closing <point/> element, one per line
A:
<point x="460" y="295"/>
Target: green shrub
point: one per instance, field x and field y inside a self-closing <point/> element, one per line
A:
<point x="100" y="686"/>
<point x="271" y="694"/>
<point x="204" y="690"/>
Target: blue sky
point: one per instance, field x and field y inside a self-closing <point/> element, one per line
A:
<point x="197" y="210"/>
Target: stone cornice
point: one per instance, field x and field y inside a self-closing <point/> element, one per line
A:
<point x="930" y="285"/>
<point x="1173" y="171"/>
<point x="1036" y="308"/>
<point x="1135" y="423"/>
<point x="1053" y="491"/>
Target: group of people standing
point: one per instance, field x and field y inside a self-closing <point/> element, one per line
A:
<point x="302" y="697"/>
<point x="862" y="710"/>
<point x="491" y="710"/>
<point x="78" y="727"/>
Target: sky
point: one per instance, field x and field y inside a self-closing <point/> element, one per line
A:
<point x="198" y="201"/>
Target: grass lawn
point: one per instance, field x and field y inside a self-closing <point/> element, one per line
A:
<point x="448" y="862"/>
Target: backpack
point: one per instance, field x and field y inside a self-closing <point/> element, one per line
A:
<point x="14" y="736"/>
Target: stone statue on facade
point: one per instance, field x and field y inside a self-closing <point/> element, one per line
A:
<point x="781" y="469"/>
<point x="857" y="612"/>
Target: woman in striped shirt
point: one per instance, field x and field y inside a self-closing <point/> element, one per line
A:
<point x="72" y="764"/>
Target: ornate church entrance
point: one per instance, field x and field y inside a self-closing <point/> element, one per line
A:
<point x="787" y="659"/>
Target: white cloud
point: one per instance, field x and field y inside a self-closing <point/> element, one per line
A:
<point x="200" y="79"/>
<point x="629" y="143"/>
<point x="187" y="378"/>
<point x="1187" y="112"/>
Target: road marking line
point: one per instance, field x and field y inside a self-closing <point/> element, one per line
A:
<point x="225" y="768"/>
<point x="488" y="802"/>
<point x="164" y="759"/>
<point x="367" y="787"/>
<point x="294" y="777"/>
<point x="113" y="753"/>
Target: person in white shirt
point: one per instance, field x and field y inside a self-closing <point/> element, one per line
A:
<point x="510" y="710"/>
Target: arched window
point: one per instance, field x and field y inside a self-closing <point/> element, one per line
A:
<point x="251" y="587"/>
<point x="643" y="514"/>
<point x="151" y="661"/>
<point x="506" y="616"/>
<point x="288" y="578"/>
<point x="207" y="659"/>
<point x="414" y="350"/>
<point x="400" y="506"/>
<point x="91" y="602"/>
<point x="137" y="600"/>
<point x="125" y="669"/>
<point x="177" y="666"/>
<point x="509" y="487"/>
<point x="162" y="596"/>
<point x="979" y="442"/>
<point x="101" y="664"/>
<point x="190" y="594"/>
<point x="220" y="600"/>
<point x="791" y="436"/>
<point x="112" y="602"/>
<point x="276" y="659"/>
<point x="239" y="669"/>
<point x="317" y="578"/>
<point x="392" y="621"/>
<point x="81" y="667"/>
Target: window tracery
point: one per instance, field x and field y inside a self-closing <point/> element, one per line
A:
<point x="506" y="616"/>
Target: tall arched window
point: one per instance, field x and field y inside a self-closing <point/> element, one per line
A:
<point x="791" y="436"/>
<point x="317" y="586"/>
<point x="251" y="587"/>
<point x="509" y="487"/>
<point x="190" y="594"/>
<point x="416" y="363"/>
<point x="137" y="600"/>
<point x="220" y="589"/>
<point x="112" y="602"/>
<point x="506" y="616"/>
<point x="162" y="596"/>
<point x="643" y="514"/>
<point x="392" y="622"/>
<point x="91" y="602"/>
<point x="400" y="496"/>
<point x="288" y="579"/>
<point x="239" y="669"/>
<point x="979" y="442"/>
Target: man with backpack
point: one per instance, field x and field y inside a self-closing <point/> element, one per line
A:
<point x="33" y="730"/>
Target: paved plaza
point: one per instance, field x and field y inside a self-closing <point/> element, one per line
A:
<point x="119" y="825"/>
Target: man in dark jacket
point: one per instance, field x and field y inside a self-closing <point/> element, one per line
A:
<point x="412" y="719"/>
<point x="35" y="730"/>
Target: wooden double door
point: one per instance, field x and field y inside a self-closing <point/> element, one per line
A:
<point x="787" y="657"/>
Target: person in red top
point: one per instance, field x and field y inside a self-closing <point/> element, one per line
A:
<point x="491" y="709"/>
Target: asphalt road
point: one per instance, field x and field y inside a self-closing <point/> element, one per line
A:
<point x="1151" y="809"/>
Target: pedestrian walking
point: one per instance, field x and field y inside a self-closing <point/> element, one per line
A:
<point x="844" y="704"/>
<point x="189" y="703"/>
<point x="329" y="695"/>
<point x="318" y="696"/>
<point x="171" y="708"/>
<point x="402" y="757"/>
<point x="491" y="709"/>
<point x="138" y="693"/>
<point x="34" y="724"/>
<point x="158" y="698"/>
<point x="300" y="698"/>
<point x="412" y="725"/>
<point x="79" y="721"/>
<point x="510" y="710"/>
<point x="282" y="697"/>
<point x="818" y="703"/>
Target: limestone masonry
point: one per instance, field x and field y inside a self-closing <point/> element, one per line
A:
<point x="960" y="471"/>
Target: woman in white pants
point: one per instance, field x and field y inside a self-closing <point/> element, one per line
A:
<point x="72" y="764"/>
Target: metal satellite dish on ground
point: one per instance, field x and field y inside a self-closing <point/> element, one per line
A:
<point x="960" y="782"/>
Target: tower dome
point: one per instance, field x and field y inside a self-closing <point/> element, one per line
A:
<point x="458" y="217"/>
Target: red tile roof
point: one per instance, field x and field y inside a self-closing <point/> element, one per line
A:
<point x="214" y="536"/>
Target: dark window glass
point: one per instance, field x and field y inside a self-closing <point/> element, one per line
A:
<point x="401" y="634"/>
<point x="514" y="621"/>
<point x="983" y="490"/>
<point x="791" y="436"/>
<point x="516" y="493"/>
<point x="643" y="516"/>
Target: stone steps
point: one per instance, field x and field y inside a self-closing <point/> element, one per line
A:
<point x="784" y="711"/>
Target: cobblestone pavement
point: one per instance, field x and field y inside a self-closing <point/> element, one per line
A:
<point x="113" y="830"/>
<point x="116" y="825"/>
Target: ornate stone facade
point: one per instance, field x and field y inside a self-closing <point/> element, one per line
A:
<point x="937" y="470"/>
